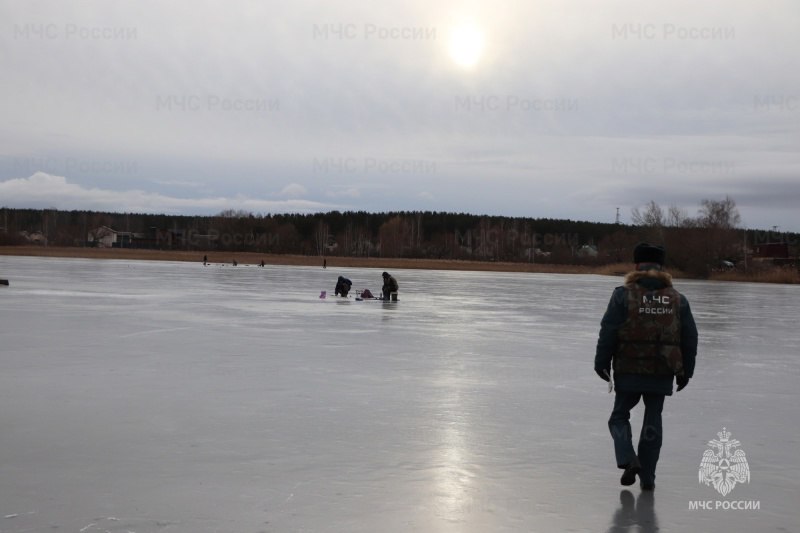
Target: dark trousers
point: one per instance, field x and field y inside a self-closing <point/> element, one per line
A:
<point x="650" y="437"/>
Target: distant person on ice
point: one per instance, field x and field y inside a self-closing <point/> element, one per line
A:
<point x="343" y="286"/>
<point x="649" y="334"/>
<point x="389" y="285"/>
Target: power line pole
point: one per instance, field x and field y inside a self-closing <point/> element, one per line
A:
<point x="745" y="250"/>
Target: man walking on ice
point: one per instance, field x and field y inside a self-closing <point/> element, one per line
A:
<point x="649" y="334"/>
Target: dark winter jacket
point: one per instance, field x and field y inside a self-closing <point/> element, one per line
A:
<point x="389" y="286"/>
<point x="343" y="286"/>
<point x="617" y="313"/>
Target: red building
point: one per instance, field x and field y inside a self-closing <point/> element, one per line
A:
<point x="771" y="250"/>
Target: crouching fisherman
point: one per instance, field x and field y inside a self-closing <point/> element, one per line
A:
<point x="343" y="286"/>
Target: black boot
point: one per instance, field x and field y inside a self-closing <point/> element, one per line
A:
<point x="629" y="475"/>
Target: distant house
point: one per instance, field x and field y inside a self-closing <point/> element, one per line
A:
<point x="533" y="253"/>
<point x="587" y="250"/>
<point x="34" y="237"/>
<point x="105" y="237"/>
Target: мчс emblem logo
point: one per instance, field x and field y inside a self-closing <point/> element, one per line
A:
<point x="723" y="465"/>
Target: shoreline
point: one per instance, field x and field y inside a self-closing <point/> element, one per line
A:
<point x="776" y="276"/>
<point x="254" y="258"/>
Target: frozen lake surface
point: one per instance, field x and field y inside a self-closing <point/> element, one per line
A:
<point x="156" y="396"/>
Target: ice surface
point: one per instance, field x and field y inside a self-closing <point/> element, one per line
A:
<point x="155" y="396"/>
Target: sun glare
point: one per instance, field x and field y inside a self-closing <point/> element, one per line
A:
<point x="466" y="45"/>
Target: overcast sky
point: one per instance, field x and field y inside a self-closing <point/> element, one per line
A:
<point x="564" y="109"/>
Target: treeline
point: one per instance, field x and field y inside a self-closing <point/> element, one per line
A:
<point x="695" y="244"/>
<point x="352" y="233"/>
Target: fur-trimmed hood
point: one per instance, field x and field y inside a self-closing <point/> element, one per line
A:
<point x="660" y="275"/>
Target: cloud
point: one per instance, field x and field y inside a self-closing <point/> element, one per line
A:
<point x="176" y="183"/>
<point x="571" y="112"/>
<point x="350" y="192"/>
<point x="293" y="190"/>
<point x="42" y="190"/>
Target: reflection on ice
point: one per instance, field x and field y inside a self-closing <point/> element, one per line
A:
<point x="187" y="398"/>
<point x="453" y="476"/>
<point x="454" y="461"/>
<point x="635" y="513"/>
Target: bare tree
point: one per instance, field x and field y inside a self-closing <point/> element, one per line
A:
<point x="719" y="214"/>
<point x="652" y="216"/>
<point x="714" y="238"/>
<point x="677" y="217"/>
<point x="652" y="221"/>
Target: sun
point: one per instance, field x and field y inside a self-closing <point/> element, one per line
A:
<point x="466" y="45"/>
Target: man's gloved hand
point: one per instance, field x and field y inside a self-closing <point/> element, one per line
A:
<point x="681" y="382"/>
<point x="603" y="373"/>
